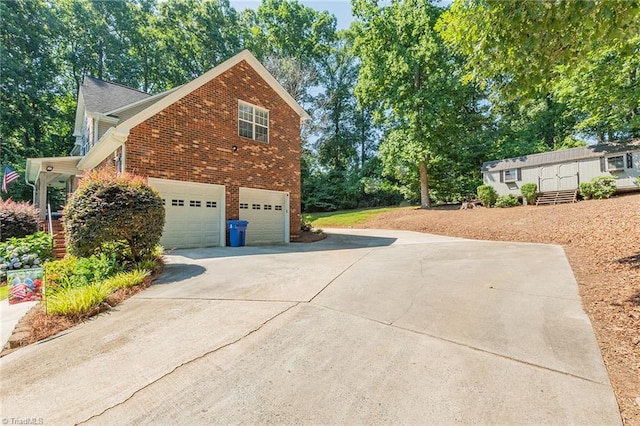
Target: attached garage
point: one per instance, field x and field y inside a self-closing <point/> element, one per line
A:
<point x="194" y="213"/>
<point x="268" y="215"/>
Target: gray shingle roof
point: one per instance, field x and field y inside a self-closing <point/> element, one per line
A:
<point x="561" y="156"/>
<point x="102" y="96"/>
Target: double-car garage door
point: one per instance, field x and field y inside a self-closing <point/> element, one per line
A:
<point x="195" y="214"/>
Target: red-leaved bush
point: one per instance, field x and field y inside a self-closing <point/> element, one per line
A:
<point x="17" y="219"/>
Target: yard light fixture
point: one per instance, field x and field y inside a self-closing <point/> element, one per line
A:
<point x="49" y="168"/>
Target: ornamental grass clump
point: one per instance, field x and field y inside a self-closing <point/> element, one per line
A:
<point x="108" y="210"/>
<point x="80" y="301"/>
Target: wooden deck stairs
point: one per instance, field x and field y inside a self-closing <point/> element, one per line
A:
<point x="59" y="246"/>
<point x="557" y="197"/>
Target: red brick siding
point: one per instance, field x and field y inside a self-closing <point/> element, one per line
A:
<point x="192" y="140"/>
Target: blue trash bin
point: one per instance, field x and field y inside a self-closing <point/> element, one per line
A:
<point x="237" y="231"/>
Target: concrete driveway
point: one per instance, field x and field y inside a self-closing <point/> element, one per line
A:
<point x="364" y="327"/>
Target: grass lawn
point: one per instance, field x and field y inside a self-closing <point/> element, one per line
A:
<point x="4" y="292"/>
<point x="346" y="218"/>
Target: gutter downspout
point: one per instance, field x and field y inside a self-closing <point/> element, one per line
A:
<point x="33" y="189"/>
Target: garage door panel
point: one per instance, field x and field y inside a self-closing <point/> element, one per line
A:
<point x="193" y="215"/>
<point x="267" y="214"/>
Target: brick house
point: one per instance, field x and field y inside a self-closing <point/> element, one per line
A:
<point x="223" y="146"/>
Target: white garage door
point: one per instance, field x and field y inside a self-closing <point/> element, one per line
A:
<point x="268" y="215"/>
<point x="194" y="213"/>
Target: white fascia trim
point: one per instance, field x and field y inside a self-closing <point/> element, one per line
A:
<point x="108" y="143"/>
<point x="80" y="112"/>
<point x="185" y="89"/>
<point x="104" y="117"/>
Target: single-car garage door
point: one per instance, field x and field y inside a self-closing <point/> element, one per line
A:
<point x="194" y="213"/>
<point x="268" y="215"/>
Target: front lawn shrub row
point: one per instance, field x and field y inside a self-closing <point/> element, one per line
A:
<point x="79" y="301"/>
<point x="17" y="220"/>
<point x="509" y="200"/>
<point x="598" y="188"/>
<point x="24" y="253"/>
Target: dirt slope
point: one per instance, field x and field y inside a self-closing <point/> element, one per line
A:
<point x="602" y="241"/>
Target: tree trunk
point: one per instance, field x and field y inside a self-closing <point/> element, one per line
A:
<point x="425" y="202"/>
<point x="550" y="131"/>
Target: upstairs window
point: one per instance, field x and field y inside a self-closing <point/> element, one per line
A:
<point x="253" y="122"/>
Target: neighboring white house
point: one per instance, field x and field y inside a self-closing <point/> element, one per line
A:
<point x="565" y="169"/>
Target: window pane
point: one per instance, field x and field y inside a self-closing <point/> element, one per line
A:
<point x="262" y="118"/>
<point x="262" y="134"/>
<point x="245" y="129"/>
<point x="245" y="112"/>
<point x="616" y="162"/>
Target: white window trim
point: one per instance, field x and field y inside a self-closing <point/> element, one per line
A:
<point x="615" y="169"/>
<point x="253" y="122"/>
<point x="513" y="177"/>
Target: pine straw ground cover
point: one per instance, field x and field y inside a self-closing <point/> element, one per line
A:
<point x="602" y="241"/>
<point x="37" y="325"/>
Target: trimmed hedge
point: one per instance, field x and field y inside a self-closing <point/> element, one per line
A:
<point x="108" y="210"/>
<point x="17" y="220"/>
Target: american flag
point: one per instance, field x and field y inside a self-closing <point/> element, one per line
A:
<point x="9" y="176"/>
<point x="18" y="292"/>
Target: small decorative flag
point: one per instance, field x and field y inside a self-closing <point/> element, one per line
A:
<point x="26" y="285"/>
<point x="10" y="175"/>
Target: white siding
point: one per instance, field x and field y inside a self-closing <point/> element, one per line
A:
<point x="103" y="126"/>
<point x="128" y="113"/>
<point x="567" y="175"/>
<point x="504" y="188"/>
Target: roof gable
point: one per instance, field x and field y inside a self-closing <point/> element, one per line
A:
<point x="119" y="134"/>
<point x="187" y="88"/>
<point x="102" y="96"/>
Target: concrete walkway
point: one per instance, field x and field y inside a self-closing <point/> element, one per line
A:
<point x="9" y="317"/>
<point x="364" y="327"/>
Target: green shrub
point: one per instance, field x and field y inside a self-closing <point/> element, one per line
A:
<point x="529" y="192"/>
<point x="586" y="190"/>
<point x="17" y="220"/>
<point x="305" y="223"/>
<point x="487" y="195"/>
<point x="598" y="188"/>
<point x="24" y="253"/>
<point x="72" y="271"/>
<point x="108" y="209"/>
<point x="509" y="200"/>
